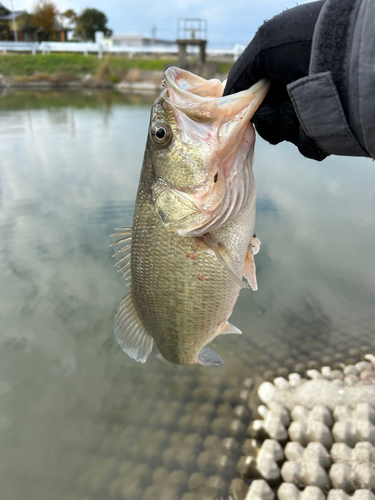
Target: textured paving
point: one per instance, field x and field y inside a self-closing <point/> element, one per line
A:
<point x="321" y="449"/>
<point x="304" y="435"/>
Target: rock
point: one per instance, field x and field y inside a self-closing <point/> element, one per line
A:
<point x="260" y="490"/>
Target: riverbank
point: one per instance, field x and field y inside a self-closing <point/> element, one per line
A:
<point x="77" y="71"/>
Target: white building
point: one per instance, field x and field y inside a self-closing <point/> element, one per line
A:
<point x="138" y="41"/>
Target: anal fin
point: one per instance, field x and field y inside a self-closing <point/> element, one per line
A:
<point x="249" y="269"/>
<point x="229" y="328"/>
<point x="159" y="357"/>
<point x="208" y="357"/>
<point x="130" y="332"/>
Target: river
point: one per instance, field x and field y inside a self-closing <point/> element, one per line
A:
<point x="78" y="418"/>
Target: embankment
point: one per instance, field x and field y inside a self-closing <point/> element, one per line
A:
<point x="60" y="70"/>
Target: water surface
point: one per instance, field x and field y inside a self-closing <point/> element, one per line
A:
<point x="78" y="418"/>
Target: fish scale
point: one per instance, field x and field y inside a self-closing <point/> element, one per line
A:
<point x="175" y="314"/>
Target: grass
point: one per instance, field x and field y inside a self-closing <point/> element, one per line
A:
<point x="19" y="65"/>
<point x="224" y="67"/>
<point x="59" y="69"/>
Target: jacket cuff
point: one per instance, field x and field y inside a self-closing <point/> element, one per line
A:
<point x="320" y="112"/>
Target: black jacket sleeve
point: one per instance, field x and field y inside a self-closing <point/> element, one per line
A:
<point x="280" y="51"/>
<point x="321" y="60"/>
<point x="333" y="102"/>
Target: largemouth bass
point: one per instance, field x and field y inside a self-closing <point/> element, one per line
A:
<point x="192" y="238"/>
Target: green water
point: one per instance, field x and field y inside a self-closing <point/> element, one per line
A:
<point x="78" y="418"/>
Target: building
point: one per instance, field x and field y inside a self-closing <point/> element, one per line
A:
<point x="139" y="41"/>
<point x="25" y="28"/>
<point x="20" y="18"/>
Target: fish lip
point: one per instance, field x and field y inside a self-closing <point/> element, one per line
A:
<point x="222" y="105"/>
<point x="174" y="75"/>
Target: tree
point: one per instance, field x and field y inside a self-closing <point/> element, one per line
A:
<point x="89" y="21"/>
<point x="45" y="15"/>
<point x="70" y="15"/>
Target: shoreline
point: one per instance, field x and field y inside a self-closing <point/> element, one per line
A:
<point x="76" y="71"/>
<point x="143" y="86"/>
<point x="134" y="80"/>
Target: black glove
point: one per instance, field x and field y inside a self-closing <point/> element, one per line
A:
<point x="280" y="51"/>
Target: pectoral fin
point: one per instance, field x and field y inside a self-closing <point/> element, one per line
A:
<point x="208" y="357"/>
<point x="249" y="269"/>
<point x="130" y="332"/>
<point x="221" y="259"/>
<point x="255" y="243"/>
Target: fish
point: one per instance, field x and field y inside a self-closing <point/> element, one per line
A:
<point x="192" y="240"/>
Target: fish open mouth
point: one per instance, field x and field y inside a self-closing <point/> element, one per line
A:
<point x="202" y="100"/>
<point x="201" y="111"/>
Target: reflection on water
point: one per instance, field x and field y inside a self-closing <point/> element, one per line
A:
<point x="78" y="418"/>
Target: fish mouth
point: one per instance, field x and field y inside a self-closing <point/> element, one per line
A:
<point x="203" y="101"/>
<point x="202" y="113"/>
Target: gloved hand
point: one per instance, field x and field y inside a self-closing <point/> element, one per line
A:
<point x="280" y="51"/>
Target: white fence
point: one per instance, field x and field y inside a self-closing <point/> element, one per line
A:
<point x="86" y="48"/>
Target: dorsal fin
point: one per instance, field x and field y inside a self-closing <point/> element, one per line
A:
<point x="123" y="254"/>
<point x="130" y="332"/>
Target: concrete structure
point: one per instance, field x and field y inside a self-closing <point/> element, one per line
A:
<point x="182" y="51"/>
<point x="139" y="41"/>
<point x="191" y="32"/>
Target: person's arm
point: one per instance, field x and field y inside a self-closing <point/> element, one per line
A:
<point x="321" y="60"/>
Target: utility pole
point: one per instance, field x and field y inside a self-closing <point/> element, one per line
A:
<point x="62" y="27"/>
<point x="14" y="23"/>
<point x="62" y="32"/>
<point x="153" y="35"/>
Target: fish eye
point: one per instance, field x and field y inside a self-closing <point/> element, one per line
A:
<point x="161" y="134"/>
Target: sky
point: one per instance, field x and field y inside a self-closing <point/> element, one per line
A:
<point x="229" y="22"/>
